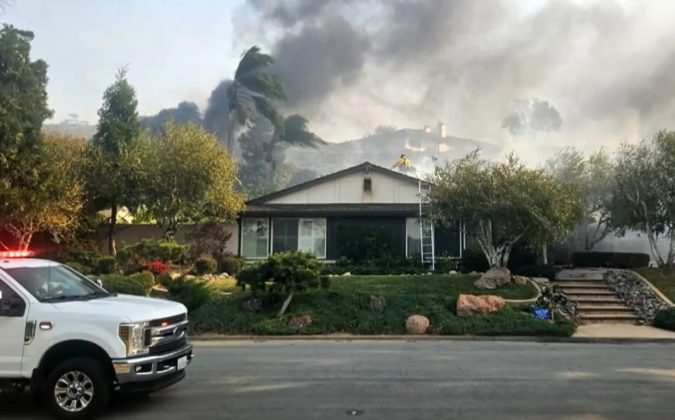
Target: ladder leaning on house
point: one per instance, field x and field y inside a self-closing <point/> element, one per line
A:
<point x="427" y="240"/>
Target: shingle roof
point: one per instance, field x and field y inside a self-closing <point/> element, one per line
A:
<point x="356" y="209"/>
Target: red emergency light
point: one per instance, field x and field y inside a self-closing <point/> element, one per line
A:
<point x="16" y="254"/>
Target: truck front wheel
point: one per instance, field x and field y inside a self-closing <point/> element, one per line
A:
<point x="77" y="388"/>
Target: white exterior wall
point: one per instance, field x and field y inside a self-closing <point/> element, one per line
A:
<point x="348" y="189"/>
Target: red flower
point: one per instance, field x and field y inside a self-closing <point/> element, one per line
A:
<point x="156" y="267"/>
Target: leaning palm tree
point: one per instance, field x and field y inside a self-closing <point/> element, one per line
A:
<point x="253" y="88"/>
<point x="291" y="131"/>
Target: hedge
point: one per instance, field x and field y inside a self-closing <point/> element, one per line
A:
<point x="610" y="259"/>
<point x="665" y="319"/>
<point x="139" y="284"/>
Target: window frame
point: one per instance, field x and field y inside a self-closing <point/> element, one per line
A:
<point x="268" y="237"/>
<point x="325" y="235"/>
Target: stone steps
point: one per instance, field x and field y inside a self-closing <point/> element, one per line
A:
<point x="596" y="301"/>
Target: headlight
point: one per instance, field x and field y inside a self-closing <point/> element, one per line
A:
<point x="136" y="338"/>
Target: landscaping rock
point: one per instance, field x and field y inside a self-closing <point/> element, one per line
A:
<point x="347" y="274"/>
<point x="417" y="324"/>
<point x="468" y="305"/>
<point x="493" y="278"/>
<point x="637" y="295"/>
<point x="377" y="303"/>
<point x="452" y="272"/>
<point x="519" y="280"/>
<point x="252" y="305"/>
<point x="300" y="321"/>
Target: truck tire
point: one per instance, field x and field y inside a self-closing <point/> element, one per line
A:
<point x="77" y="388"/>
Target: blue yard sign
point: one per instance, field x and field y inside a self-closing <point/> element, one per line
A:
<point x="541" y="313"/>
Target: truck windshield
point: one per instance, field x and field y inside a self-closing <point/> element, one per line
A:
<point x="56" y="283"/>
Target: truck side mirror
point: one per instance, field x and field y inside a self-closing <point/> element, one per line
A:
<point x="12" y="306"/>
<point x="100" y="283"/>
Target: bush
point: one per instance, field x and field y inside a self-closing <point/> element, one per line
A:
<point x="190" y="292"/>
<point x="473" y="259"/>
<point x="156" y="267"/>
<point x="132" y="267"/>
<point x="522" y="255"/>
<point x="205" y="266"/>
<point x="230" y="265"/>
<point x="80" y="268"/>
<point x="137" y="284"/>
<point x="106" y="265"/>
<point x="446" y="264"/>
<point x="388" y="265"/>
<point x="544" y="270"/>
<point x="665" y="319"/>
<point x="287" y="271"/>
<point x="164" y="279"/>
<point x="610" y="259"/>
<point x="154" y="250"/>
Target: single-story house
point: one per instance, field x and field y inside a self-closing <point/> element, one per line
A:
<point x="309" y="216"/>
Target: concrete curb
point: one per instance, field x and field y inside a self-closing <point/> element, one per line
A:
<point x="413" y="338"/>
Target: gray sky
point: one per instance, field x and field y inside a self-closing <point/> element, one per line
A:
<point x="530" y="75"/>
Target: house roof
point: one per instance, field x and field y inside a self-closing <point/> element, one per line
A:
<point x="317" y="210"/>
<point x="365" y="166"/>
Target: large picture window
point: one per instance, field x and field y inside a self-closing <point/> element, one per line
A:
<point x="254" y="238"/>
<point x="284" y="234"/>
<point x="312" y="236"/>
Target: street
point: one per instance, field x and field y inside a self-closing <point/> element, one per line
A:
<point x="286" y="380"/>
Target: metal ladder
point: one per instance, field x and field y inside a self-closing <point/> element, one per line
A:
<point x="427" y="239"/>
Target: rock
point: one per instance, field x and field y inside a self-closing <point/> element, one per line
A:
<point x="468" y="305"/>
<point x="494" y="277"/>
<point x="347" y="274"/>
<point x="252" y="305"/>
<point x="519" y="280"/>
<point x="417" y="324"/>
<point x="300" y="321"/>
<point x="377" y="303"/>
<point x="452" y="272"/>
<point x="636" y="294"/>
<point x="541" y="280"/>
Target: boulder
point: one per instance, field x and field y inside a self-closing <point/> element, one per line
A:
<point x="417" y="324"/>
<point x="519" y="280"/>
<point x="252" y="305"/>
<point x="377" y="303"/>
<point x="347" y="274"/>
<point x="494" y="277"/>
<point x="300" y="321"/>
<point x="468" y="305"/>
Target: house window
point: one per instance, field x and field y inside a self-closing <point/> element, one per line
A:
<point x="284" y="234"/>
<point x="254" y="238"/>
<point x="312" y="236"/>
<point x="413" y="243"/>
<point x="367" y="185"/>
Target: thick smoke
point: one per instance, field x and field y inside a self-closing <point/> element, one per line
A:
<point x="185" y="112"/>
<point x="352" y="65"/>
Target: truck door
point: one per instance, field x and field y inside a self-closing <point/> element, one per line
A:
<point x="13" y="312"/>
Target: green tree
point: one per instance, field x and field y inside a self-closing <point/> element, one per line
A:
<point x="501" y="203"/>
<point x="55" y="204"/>
<point x="23" y="109"/>
<point x="644" y="195"/>
<point x="114" y="161"/>
<point x="254" y="88"/>
<point x="594" y="179"/>
<point x="189" y="178"/>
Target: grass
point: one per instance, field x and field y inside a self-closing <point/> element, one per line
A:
<point x="662" y="278"/>
<point x="345" y="308"/>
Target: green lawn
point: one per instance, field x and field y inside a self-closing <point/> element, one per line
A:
<point x="344" y="308"/>
<point x="662" y="278"/>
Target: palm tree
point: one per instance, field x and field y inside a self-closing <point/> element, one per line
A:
<point x="291" y="131"/>
<point x="253" y="88"/>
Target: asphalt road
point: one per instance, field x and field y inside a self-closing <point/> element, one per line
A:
<point x="285" y="380"/>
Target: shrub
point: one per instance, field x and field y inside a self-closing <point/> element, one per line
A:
<point x="106" y="265"/>
<point x="325" y="282"/>
<point x="156" y="267"/>
<point x="446" y="264"/>
<point x="205" y="266"/>
<point x="610" y="259"/>
<point x="132" y="267"/>
<point x="190" y="292"/>
<point x="137" y="284"/>
<point x="152" y="249"/>
<point x="665" y="319"/>
<point x="473" y="259"/>
<point x="363" y="243"/>
<point x="544" y="270"/>
<point x="164" y="279"/>
<point x="230" y="265"/>
<point x="80" y="268"/>
<point x="522" y="256"/>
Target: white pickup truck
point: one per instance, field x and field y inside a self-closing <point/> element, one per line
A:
<point x="73" y="343"/>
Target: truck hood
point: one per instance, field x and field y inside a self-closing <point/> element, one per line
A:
<point x="124" y="307"/>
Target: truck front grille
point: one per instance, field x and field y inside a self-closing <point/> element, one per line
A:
<point x="167" y="334"/>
